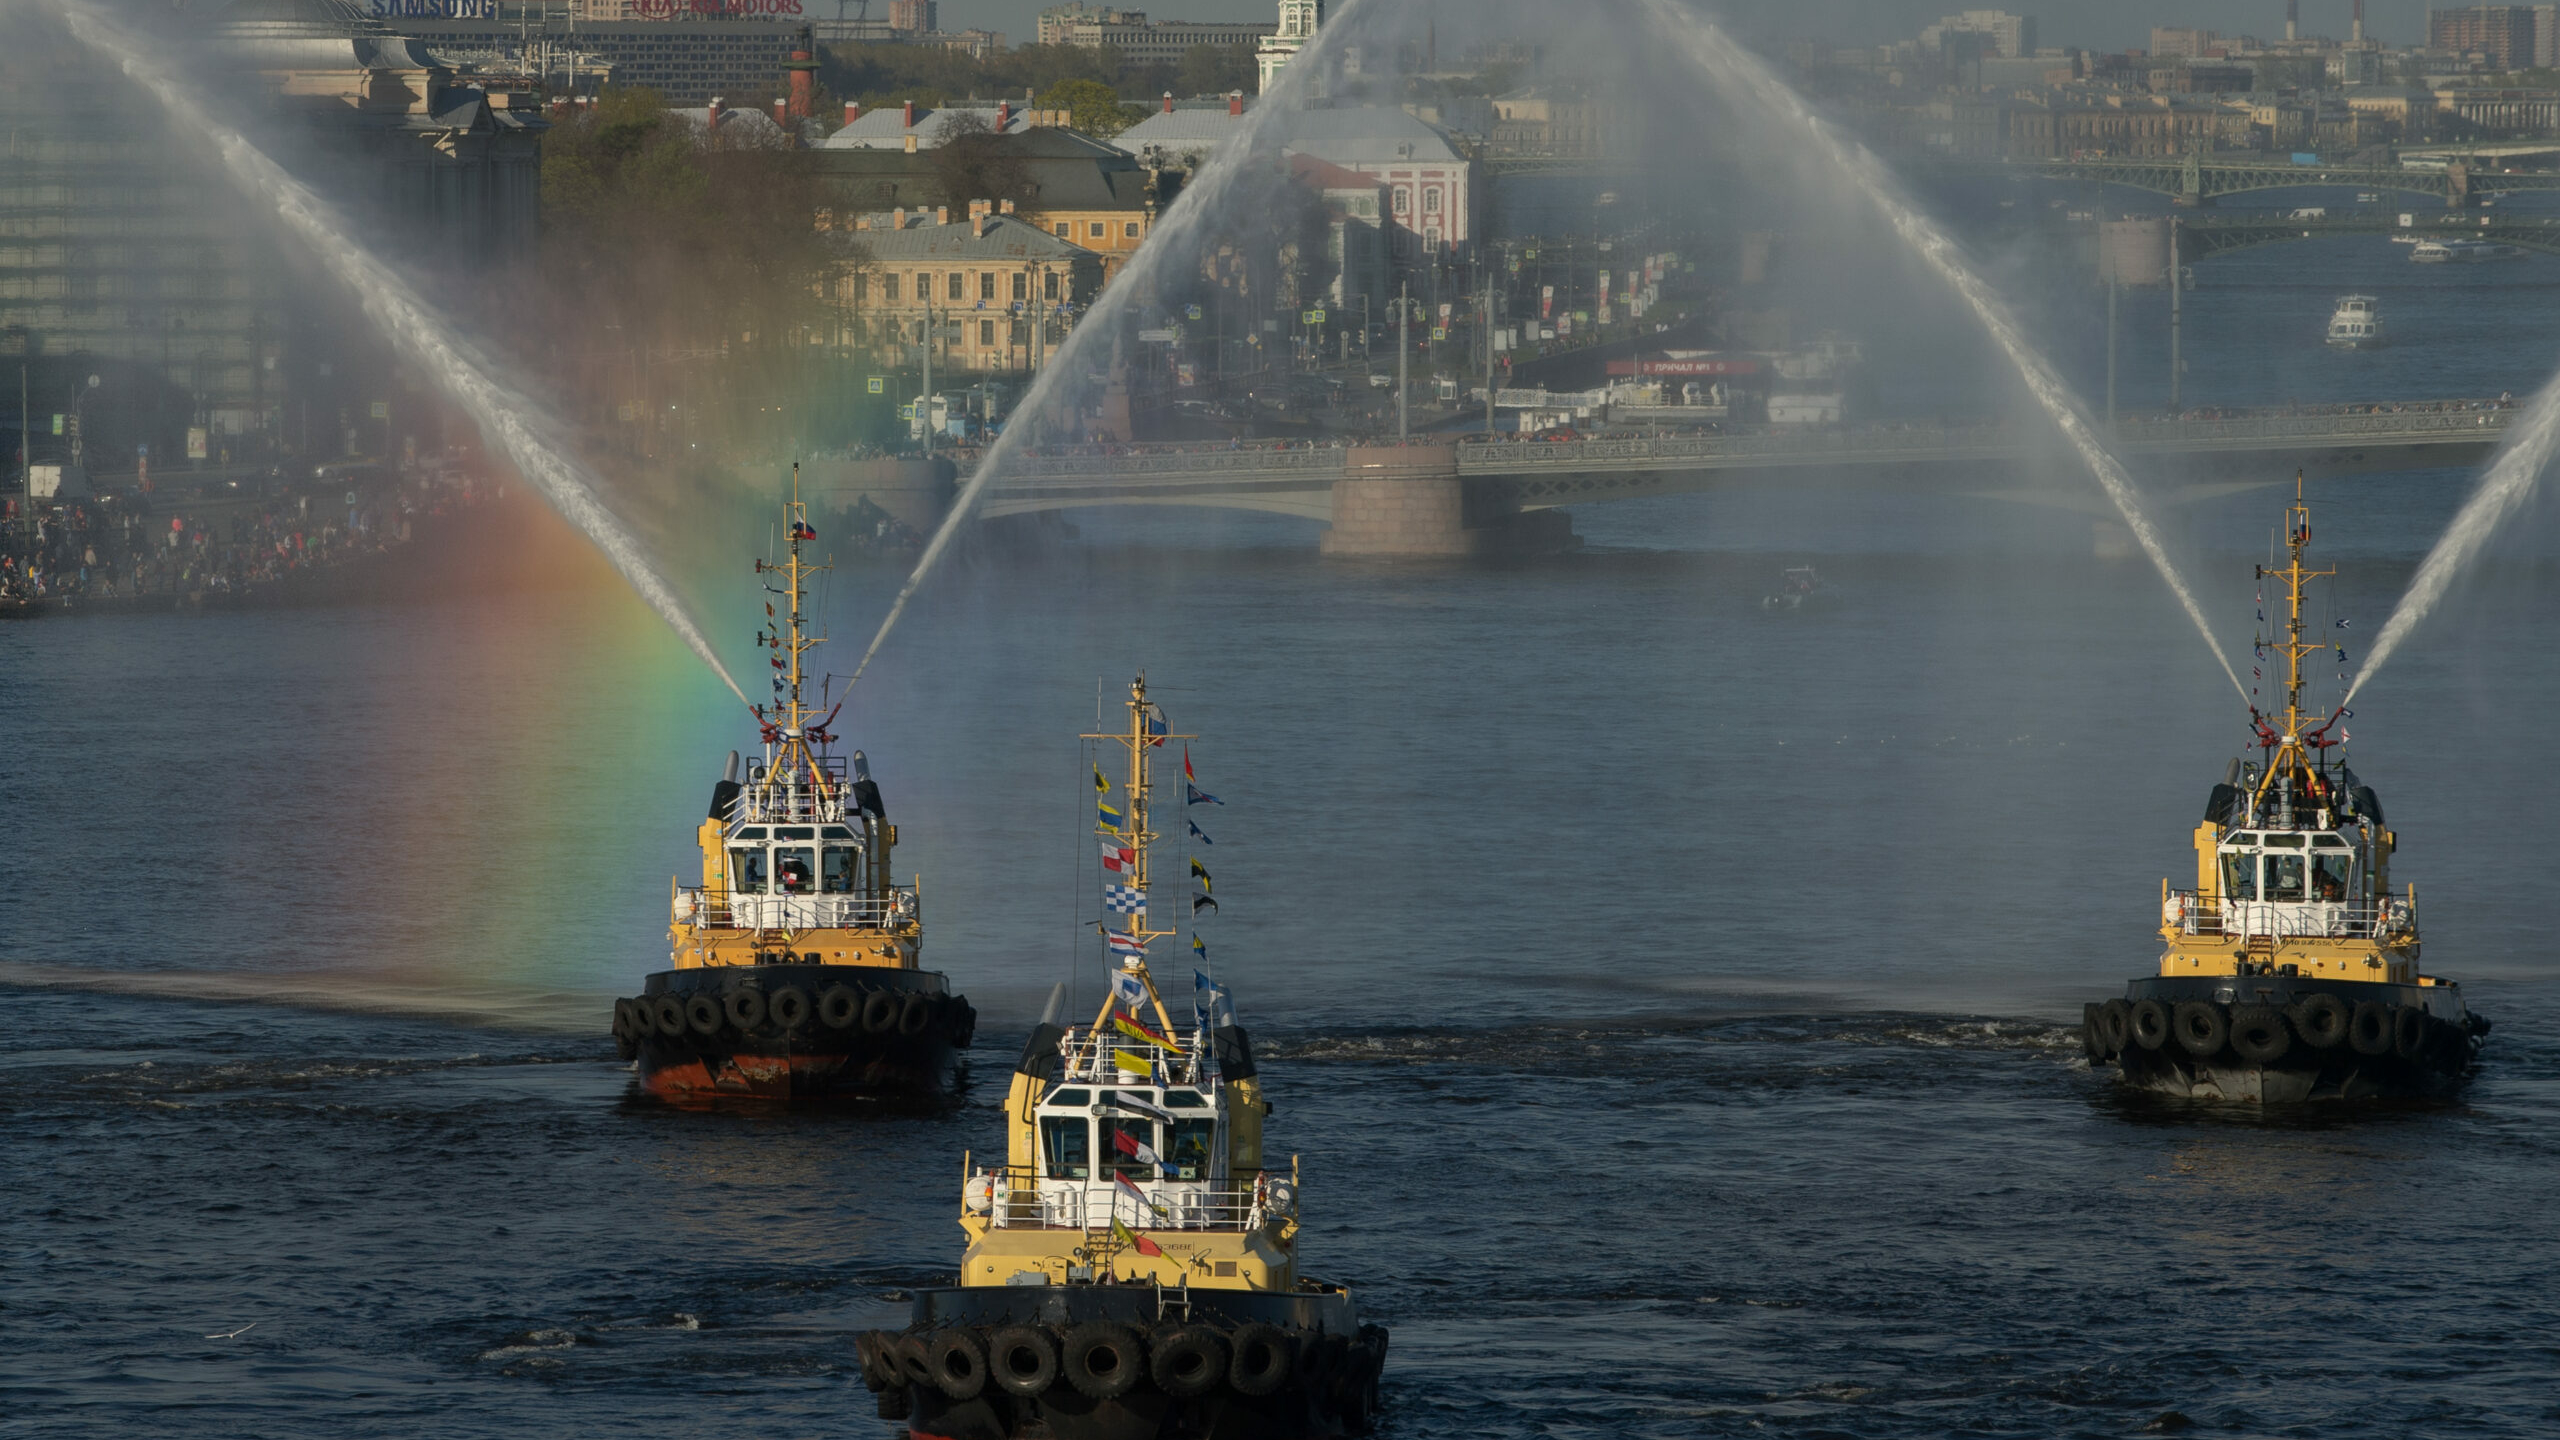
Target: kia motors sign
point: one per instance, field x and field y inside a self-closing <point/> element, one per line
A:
<point x="713" y="9"/>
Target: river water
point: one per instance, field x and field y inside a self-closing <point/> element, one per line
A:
<point x="1672" y="1004"/>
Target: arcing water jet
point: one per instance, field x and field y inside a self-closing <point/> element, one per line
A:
<point x="529" y="438"/>
<point x="1203" y="199"/>
<point x="2513" y="476"/>
<point x="1729" y="64"/>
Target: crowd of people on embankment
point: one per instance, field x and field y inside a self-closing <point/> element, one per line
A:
<point x="120" y="549"/>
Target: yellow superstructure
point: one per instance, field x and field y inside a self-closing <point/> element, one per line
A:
<point x="1134" y="1151"/>
<point x="2292" y="859"/>
<point x="796" y="851"/>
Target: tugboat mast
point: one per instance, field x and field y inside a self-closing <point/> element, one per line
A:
<point x="2295" y="747"/>
<point x="1136" y="834"/>
<point x="791" y="727"/>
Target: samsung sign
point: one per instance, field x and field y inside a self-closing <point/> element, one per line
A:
<point x="435" y="9"/>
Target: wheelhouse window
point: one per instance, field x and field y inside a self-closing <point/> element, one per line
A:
<point x="2284" y="877"/>
<point x="2329" y="876"/>
<point x="1065" y="1146"/>
<point x="2240" y="875"/>
<point x="843" y="863"/>
<point x="746" y="871"/>
<point x="795" y="869"/>
<point x="1122" y="1139"/>
<point x="1187" y="1154"/>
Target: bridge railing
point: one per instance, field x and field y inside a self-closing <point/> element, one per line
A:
<point x="1326" y="458"/>
<point x="2382" y="425"/>
<point x="1917" y="441"/>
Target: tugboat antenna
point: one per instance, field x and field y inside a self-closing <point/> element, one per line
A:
<point x="2295" y="745"/>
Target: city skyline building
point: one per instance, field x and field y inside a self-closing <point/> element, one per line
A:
<point x="1139" y="40"/>
<point x="2008" y="35"/>
<point x="2503" y="35"/>
<point x="1299" y="21"/>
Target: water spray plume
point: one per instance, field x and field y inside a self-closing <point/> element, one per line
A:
<point x="2511" y="481"/>
<point x="1753" y="84"/>
<point x="527" y="437"/>
<point x="1200" y="204"/>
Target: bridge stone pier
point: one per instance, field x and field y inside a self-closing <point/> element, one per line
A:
<point x="1410" y="502"/>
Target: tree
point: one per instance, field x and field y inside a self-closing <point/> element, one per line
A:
<point x="1215" y="70"/>
<point x="973" y="162"/>
<point x="1091" y="107"/>
<point x="656" y="239"/>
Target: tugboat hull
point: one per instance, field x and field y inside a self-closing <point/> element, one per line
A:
<point x="793" y="1033"/>
<point x="2275" y="1039"/>
<point x="1127" y="1362"/>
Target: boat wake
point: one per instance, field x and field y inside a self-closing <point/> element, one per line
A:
<point x="484" y="1003"/>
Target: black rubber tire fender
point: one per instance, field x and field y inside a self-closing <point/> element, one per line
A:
<point x="1353" y="1389"/>
<point x="916" y="1016"/>
<point x="744" y="1005"/>
<point x="2411" y="1028"/>
<point x="703" y="1014"/>
<point x="1262" y="1359"/>
<point x="1187" y="1361"/>
<point x="839" y="1007"/>
<point x="1317" y="1361"/>
<point x="2259" y="1034"/>
<point x="787" y="1007"/>
<point x="879" y="1368"/>
<point x="626" y="1047"/>
<point x="2320" y="1020"/>
<point x="2148" y="1023"/>
<point x="2092" y="1043"/>
<point x="2115" y="1022"/>
<point x="1101" y="1359"/>
<point x="671" y="1016"/>
<point x="621" y="1019"/>
<point x="644" y="1017"/>
<point x="897" y="1403"/>
<point x="959" y="1363"/>
<point x="2369" y="1028"/>
<point x="2202" y="1028"/>
<point x="963" y="1023"/>
<point x="1371" y="1357"/>
<point x="915" y="1359"/>
<point x="879" y="1013"/>
<point x="1023" y="1360"/>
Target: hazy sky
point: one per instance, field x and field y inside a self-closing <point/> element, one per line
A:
<point x="2103" y="24"/>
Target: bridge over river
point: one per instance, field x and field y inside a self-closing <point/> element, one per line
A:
<point x="1455" y="498"/>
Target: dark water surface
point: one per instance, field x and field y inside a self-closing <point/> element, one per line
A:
<point x="1671" y="1004"/>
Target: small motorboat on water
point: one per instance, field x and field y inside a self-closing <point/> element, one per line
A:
<point x="1132" y="1267"/>
<point x="2290" y="970"/>
<point x="1801" y="587"/>
<point x="2356" y="324"/>
<point x="795" y="968"/>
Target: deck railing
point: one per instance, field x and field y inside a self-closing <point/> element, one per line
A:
<point x="2191" y="912"/>
<point x="715" y="908"/>
<point x="1020" y="1198"/>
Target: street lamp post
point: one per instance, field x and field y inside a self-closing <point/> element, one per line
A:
<point x="1404" y="356"/>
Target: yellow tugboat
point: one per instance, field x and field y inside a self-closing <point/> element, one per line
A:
<point x="2291" y="969"/>
<point x="1132" y="1268"/>
<point x="795" y="968"/>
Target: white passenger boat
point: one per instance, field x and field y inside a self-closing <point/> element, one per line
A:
<point x="2356" y="324"/>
